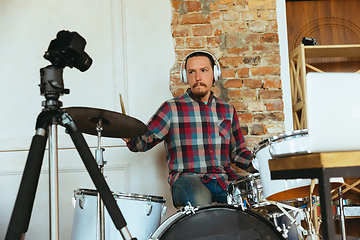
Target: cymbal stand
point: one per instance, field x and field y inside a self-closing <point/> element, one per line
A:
<point x="100" y="204"/>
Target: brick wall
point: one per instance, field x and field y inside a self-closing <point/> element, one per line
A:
<point x="243" y="35"/>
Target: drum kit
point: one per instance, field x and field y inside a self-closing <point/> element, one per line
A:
<point x="255" y="202"/>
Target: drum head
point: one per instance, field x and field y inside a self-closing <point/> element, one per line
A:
<point x="221" y="222"/>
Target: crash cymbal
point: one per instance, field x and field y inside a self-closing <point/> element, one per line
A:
<point x="114" y="124"/>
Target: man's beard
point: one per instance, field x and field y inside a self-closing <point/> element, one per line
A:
<point x="199" y="94"/>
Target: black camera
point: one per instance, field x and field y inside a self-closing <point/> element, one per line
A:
<point x="68" y="50"/>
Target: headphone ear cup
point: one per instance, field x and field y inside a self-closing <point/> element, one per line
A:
<point x="184" y="78"/>
<point x="217" y="73"/>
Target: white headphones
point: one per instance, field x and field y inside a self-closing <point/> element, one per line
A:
<point x="216" y="67"/>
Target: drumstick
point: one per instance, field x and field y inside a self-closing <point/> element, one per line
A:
<point x="122" y="104"/>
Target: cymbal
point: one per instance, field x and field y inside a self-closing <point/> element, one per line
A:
<point x="114" y="124"/>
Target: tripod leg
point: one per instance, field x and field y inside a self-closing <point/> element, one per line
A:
<point x="20" y="218"/>
<point x="96" y="176"/>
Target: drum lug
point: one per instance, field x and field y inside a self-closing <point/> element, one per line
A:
<point x="163" y="209"/>
<point x="82" y="202"/>
<point x="189" y="209"/>
<point x="149" y="208"/>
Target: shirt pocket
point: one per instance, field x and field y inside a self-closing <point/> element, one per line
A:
<point x="224" y="128"/>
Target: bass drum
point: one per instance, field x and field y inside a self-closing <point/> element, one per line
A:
<point x="217" y="222"/>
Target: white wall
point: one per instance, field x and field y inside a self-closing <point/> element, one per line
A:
<point x="132" y="50"/>
<point x="284" y="55"/>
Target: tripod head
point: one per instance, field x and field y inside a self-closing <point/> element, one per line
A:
<point x="67" y="49"/>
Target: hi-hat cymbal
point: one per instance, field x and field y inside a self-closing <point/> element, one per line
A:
<point x="114" y="124"/>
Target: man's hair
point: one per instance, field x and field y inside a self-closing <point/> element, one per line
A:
<point x="200" y="54"/>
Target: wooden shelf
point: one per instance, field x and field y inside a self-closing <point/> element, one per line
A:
<point x="298" y="72"/>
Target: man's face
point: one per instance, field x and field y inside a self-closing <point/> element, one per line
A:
<point x="200" y="76"/>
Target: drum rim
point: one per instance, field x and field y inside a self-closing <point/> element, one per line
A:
<point x="255" y="175"/>
<point x="158" y="235"/>
<point x="293" y="134"/>
<point x="123" y="195"/>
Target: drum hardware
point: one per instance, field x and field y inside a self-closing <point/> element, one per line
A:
<point x="342" y="215"/>
<point x="99" y="158"/>
<point x="66" y="50"/>
<point x="282" y="207"/>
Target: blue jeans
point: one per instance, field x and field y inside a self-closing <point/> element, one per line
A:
<point x="190" y="188"/>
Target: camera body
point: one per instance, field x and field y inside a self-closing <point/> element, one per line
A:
<point x="67" y="49"/>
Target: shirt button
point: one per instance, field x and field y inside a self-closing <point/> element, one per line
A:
<point x="210" y="151"/>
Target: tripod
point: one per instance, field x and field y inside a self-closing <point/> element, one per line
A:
<point x="46" y="127"/>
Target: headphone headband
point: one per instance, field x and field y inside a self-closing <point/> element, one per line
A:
<point x="216" y="67"/>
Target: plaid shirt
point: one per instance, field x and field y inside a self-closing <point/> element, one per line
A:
<point x="201" y="139"/>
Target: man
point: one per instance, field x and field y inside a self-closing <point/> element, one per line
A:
<point x="201" y="135"/>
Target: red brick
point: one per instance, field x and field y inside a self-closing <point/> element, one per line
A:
<point x="258" y="129"/>
<point x="203" y="30"/>
<point x="253" y="38"/>
<point x="238" y="50"/>
<point x="215" y="16"/>
<point x="245" y="117"/>
<point x="228" y="73"/>
<point x="269" y="38"/>
<point x="252" y="83"/>
<point x="234" y="94"/>
<point x="195" y="18"/>
<point x="177" y="92"/>
<point x="216" y="91"/>
<point x="270" y="59"/>
<point x="243" y="72"/>
<point x="266" y="49"/>
<point x="195" y="42"/>
<point x="270" y="94"/>
<point x="231" y="61"/>
<point x="221" y="5"/>
<point x="175" y="81"/>
<point x="193" y="6"/>
<point x="262" y="4"/>
<point x="179" y="43"/>
<point x="218" y="30"/>
<point x="262" y="71"/>
<point x="175" y="5"/>
<point x="181" y="54"/>
<point x="244" y="130"/>
<point x="273" y="116"/>
<point x="180" y="31"/>
<point x="233" y="83"/>
<point x="254" y="60"/>
<point x="232" y="39"/>
<point x="239" y="106"/>
<point x="275" y="106"/>
<point x="272" y="83"/>
<point x="213" y="42"/>
<point x="234" y="27"/>
<point x="249" y="95"/>
<point x="174" y="18"/>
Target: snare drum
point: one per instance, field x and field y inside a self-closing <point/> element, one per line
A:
<point x="141" y="212"/>
<point x="216" y="222"/>
<point x="285" y="145"/>
<point x="248" y="189"/>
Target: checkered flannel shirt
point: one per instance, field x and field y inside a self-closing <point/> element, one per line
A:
<point x="201" y="139"/>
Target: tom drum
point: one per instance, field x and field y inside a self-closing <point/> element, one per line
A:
<point x="141" y="212"/>
<point x="285" y="145"/>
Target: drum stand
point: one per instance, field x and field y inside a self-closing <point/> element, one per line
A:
<point x="100" y="204"/>
<point x="46" y="126"/>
